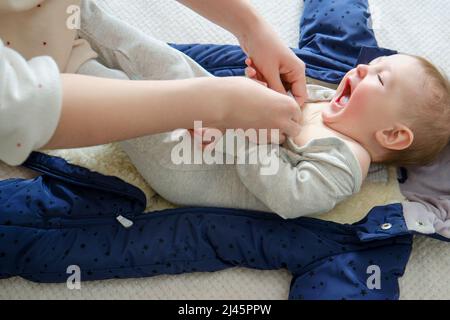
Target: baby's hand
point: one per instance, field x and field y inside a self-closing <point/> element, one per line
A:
<point x="205" y="141"/>
<point x="200" y="135"/>
<point x="252" y="73"/>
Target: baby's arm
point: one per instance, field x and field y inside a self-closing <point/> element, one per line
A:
<point x="301" y="187"/>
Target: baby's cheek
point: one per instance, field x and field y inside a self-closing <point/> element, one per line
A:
<point x="358" y="107"/>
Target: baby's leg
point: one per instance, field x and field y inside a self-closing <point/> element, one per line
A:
<point x="214" y="185"/>
<point x="141" y="57"/>
<point x="95" y="68"/>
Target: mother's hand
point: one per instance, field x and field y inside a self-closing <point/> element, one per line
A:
<point x="280" y="68"/>
<point x="246" y="104"/>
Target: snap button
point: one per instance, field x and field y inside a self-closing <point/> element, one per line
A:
<point x="386" y="226"/>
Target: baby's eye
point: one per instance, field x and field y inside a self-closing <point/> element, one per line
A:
<point x="381" y="80"/>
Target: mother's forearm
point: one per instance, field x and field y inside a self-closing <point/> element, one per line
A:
<point x="237" y="16"/>
<point x="98" y="111"/>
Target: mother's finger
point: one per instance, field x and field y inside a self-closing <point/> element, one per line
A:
<point x="297" y="80"/>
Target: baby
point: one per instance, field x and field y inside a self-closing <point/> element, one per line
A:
<point x="396" y="110"/>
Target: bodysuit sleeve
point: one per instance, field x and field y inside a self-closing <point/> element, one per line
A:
<point x="312" y="180"/>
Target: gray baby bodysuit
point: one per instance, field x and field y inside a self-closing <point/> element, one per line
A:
<point x="309" y="180"/>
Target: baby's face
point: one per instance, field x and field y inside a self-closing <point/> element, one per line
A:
<point x="371" y="97"/>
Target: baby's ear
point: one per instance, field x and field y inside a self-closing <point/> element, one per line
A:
<point x="399" y="137"/>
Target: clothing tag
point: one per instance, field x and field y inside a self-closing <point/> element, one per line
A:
<point x="125" y="222"/>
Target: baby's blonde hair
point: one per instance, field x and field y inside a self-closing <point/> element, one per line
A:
<point x="429" y="120"/>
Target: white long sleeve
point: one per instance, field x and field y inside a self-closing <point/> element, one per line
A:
<point x="15" y="5"/>
<point x="30" y="104"/>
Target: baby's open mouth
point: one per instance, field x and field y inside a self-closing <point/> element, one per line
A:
<point x="343" y="99"/>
